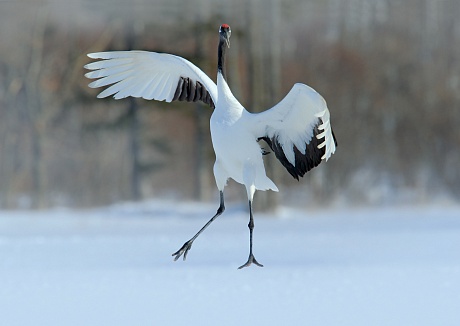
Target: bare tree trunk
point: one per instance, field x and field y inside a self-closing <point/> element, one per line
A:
<point x="201" y="186"/>
<point x="10" y="149"/>
<point x="134" y="128"/>
<point x="34" y="110"/>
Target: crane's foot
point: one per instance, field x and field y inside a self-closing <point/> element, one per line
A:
<point x="251" y="260"/>
<point x="183" y="250"/>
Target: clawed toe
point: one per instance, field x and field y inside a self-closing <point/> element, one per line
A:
<point x="251" y="260"/>
<point x="183" y="251"/>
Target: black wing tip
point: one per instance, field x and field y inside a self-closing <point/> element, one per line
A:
<point x="303" y="162"/>
<point x="189" y="90"/>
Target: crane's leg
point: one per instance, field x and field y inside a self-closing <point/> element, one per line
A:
<point x="188" y="245"/>
<point x="251" y="258"/>
<point x="249" y="177"/>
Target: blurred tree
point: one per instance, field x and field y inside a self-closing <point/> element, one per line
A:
<point x="36" y="116"/>
<point x="134" y="126"/>
<point x="388" y="70"/>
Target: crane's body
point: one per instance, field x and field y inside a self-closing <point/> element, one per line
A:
<point x="238" y="154"/>
<point x="297" y="129"/>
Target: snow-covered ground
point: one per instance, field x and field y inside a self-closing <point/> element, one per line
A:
<point x="113" y="266"/>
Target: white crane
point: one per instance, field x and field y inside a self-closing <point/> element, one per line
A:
<point x="297" y="129"/>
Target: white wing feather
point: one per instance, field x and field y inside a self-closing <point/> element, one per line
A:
<point x="293" y="121"/>
<point x="149" y="75"/>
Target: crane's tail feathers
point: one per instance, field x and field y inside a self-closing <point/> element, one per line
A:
<point x="266" y="184"/>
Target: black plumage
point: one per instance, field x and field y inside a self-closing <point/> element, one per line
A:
<point x="191" y="91"/>
<point x="303" y="162"/>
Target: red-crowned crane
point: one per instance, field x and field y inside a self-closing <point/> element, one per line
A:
<point x="297" y="129"/>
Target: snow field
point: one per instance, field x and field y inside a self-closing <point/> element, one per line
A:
<point x="113" y="266"/>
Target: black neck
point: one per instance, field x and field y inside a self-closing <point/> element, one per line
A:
<point x="221" y="57"/>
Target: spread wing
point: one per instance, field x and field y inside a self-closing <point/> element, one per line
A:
<point x="150" y="75"/>
<point x="298" y="130"/>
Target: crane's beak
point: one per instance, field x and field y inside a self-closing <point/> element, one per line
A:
<point x="225" y="35"/>
<point x="227" y="38"/>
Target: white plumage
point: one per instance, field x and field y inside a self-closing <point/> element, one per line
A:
<point x="297" y="129"/>
<point x="293" y="120"/>
<point x="149" y="75"/>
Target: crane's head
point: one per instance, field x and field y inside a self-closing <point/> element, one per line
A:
<point x="225" y="32"/>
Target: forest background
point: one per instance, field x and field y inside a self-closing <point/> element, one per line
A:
<point x="388" y="69"/>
